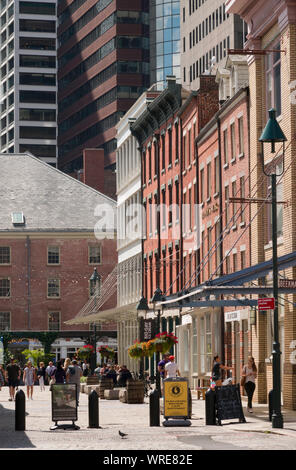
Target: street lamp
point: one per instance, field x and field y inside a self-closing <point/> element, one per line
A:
<point x="142" y="308"/>
<point x="157" y="297"/>
<point x="95" y="278"/>
<point x="272" y="133"/>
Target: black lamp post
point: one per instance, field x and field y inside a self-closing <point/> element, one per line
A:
<point x="95" y="278"/>
<point x="142" y="309"/>
<point x="157" y="297"/>
<point x="272" y="133"/>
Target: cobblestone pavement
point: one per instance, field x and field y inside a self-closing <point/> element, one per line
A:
<point x="255" y="434"/>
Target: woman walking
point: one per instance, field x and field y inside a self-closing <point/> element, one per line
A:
<point x="41" y="375"/>
<point x="60" y="374"/>
<point x="249" y="374"/>
<point x="29" y="378"/>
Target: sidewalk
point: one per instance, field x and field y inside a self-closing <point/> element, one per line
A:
<point x="256" y="433"/>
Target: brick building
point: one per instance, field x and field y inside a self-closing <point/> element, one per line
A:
<point x="48" y="248"/>
<point x="223" y="169"/>
<point x="272" y="76"/>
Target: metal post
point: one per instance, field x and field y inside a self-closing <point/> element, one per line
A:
<point x="20" y="411"/>
<point x="154" y="408"/>
<point x="158" y="386"/>
<point x="277" y="418"/>
<point x="93" y="410"/>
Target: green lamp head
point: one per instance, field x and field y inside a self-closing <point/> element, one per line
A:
<point x="272" y="132"/>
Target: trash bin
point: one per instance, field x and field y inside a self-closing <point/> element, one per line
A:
<point x="210" y="403"/>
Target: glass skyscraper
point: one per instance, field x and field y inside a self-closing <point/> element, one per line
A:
<point x="164" y="41"/>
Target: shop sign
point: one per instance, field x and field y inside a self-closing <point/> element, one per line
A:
<point x="64" y="402"/>
<point x="176" y="398"/>
<point x="236" y="315"/>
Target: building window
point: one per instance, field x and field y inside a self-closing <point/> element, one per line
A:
<point x="210" y="251"/>
<point x="94" y="254"/>
<point x="202" y="185"/>
<point x="189" y="147"/>
<point x="273" y="80"/>
<point x="226" y="194"/>
<point x="217" y="175"/>
<point x="185" y="150"/>
<point x="232" y="138"/>
<point x="4" y="321"/>
<point x="243" y="259"/>
<point x="170" y="146"/>
<point x="242" y="195"/>
<point x="241" y="135"/>
<point x="4" y="255"/>
<point x="53" y="255"/>
<point x="5" y="287"/>
<point x="53" y="288"/>
<point x="54" y="321"/>
<point x="225" y="146"/>
<point x="234" y="204"/>
<point x="209" y="180"/>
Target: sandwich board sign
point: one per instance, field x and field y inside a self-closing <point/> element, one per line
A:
<point x="176" y="401"/>
<point x="64" y="405"/>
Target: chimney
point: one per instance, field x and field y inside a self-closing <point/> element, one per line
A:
<point x="93" y="168"/>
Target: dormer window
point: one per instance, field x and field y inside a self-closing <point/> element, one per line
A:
<point x="17" y="218"/>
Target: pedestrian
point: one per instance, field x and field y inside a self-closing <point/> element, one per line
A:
<point x="66" y="364"/>
<point x="41" y="375"/>
<point x="162" y="363"/>
<point x="249" y="374"/>
<point x="85" y="368"/>
<point x="49" y="371"/>
<point x="13" y="373"/>
<point x="59" y="374"/>
<point x="112" y="374"/>
<point x="217" y="371"/>
<point x="74" y="373"/>
<point x="171" y="368"/>
<point x="29" y="378"/>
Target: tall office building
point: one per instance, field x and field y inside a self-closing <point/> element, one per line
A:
<point x="207" y="32"/>
<point x="28" y="78"/>
<point x="103" y="59"/>
<point x="164" y="24"/>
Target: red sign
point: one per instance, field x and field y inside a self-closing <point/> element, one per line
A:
<point x="266" y="304"/>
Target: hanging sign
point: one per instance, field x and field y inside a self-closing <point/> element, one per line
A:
<point x="147" y="329"/>
<point x="176" y="398"/>
<point x="266" y="304"/>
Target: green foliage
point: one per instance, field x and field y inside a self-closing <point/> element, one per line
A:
<point x="37" y="356"/>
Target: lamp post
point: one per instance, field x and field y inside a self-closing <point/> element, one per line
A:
<point x="142" y="309"/>
<point x="95" y="278"/>
<point x="272" y="133"/>
<point x="157" y="297"/>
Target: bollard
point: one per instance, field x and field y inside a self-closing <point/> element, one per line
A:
<point x="270" y="405"/>
<point x="93" y="410"/>
<point x="189" y="404"/>
<point x="210" y="398"/>
<point x="20" y="411"/>
<point x="154" y="408"/>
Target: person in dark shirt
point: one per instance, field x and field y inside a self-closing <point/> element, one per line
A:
<point x="13" y="373"/>
<point x="123" y="376"/>
<point x="217" y="371"/>
<point x="111" y="374"/>
<point x="60" y="374"/>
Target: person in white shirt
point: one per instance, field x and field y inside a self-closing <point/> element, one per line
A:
<point x="171" y="368"/>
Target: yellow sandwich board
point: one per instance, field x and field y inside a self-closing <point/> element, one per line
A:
<point x="176" y="404"/>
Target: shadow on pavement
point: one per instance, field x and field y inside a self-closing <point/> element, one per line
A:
<point x="9" y="438"/>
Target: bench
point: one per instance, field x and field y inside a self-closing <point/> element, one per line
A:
<point x="201" y="391"/>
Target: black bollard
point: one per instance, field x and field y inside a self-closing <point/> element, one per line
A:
<point x="93" y="410"/>
<point x="154" y="408"/>
<point x="210" y="398"/>
<point x="189" y="404"/>
<point x="20" y="411"/>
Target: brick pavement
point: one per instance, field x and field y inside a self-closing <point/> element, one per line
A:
<point x="257" y="433"/>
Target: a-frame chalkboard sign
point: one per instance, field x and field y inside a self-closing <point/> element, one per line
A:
<point x="229" y="404"/>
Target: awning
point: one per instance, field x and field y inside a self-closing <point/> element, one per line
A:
<point x="125" y="312"/>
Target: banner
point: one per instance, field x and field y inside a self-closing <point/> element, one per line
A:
<point x="176" y="398"/>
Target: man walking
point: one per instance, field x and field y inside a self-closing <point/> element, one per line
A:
<point x="49" y="370"/>
<point x="13" y="374"/>
<point x="73" y="375"/>
<point x="171" y="368"/>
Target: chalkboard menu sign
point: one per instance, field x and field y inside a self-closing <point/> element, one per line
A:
<point x="64" y="402"/>
<point x="147" y="329"/>
<point x="228" y="403"/>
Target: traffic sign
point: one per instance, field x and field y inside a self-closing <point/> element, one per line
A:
<point x="266" y="304"/>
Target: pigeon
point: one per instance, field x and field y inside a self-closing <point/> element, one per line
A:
<point x="122" y="435"/>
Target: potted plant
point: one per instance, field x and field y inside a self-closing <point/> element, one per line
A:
<point x="107" y="352"/>
<point x="164" y="341"/>
<point x="136" y="350"/>
<point x="85" y="352"/>
<point x="148" y="348"/>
